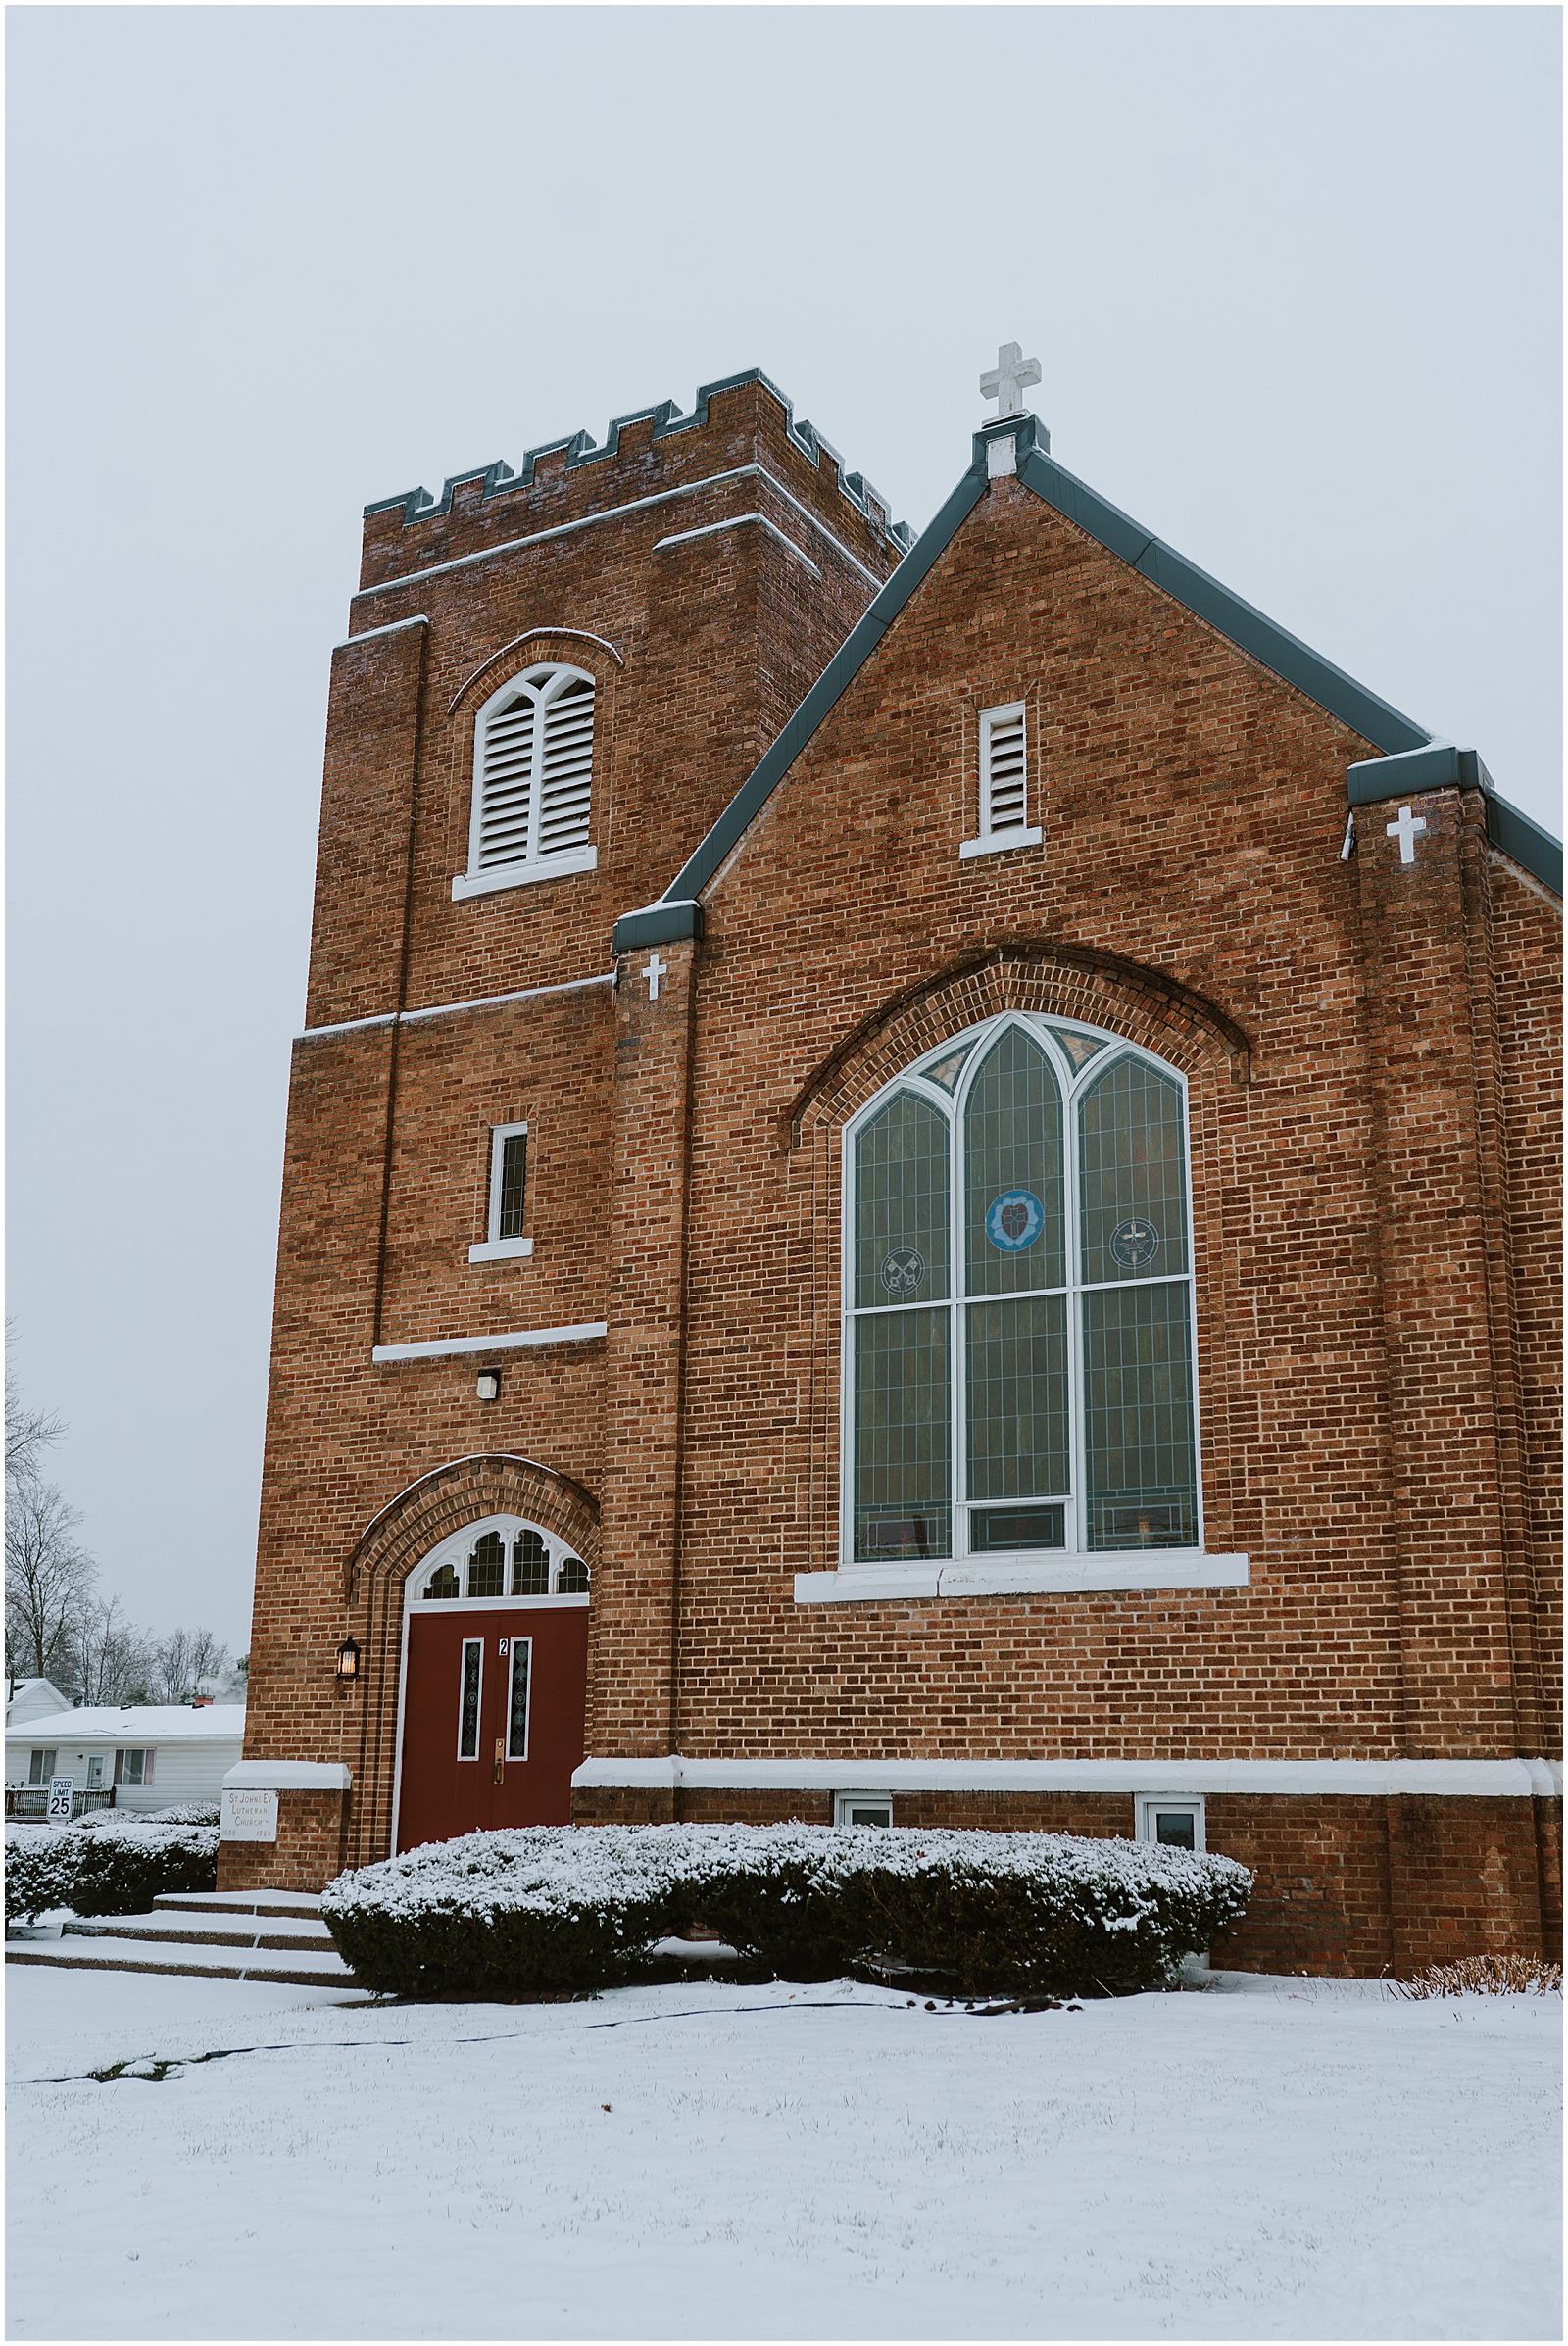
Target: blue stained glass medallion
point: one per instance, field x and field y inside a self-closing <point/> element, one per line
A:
<point x="903" y="1272"/>
<point x="1014" y="1220"/>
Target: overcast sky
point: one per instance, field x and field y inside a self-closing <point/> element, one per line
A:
<point x="1293" y="276"/>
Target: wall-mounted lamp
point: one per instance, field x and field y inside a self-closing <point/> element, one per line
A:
<point x="348" y="1659"/>
<point x="488" y="1387"/>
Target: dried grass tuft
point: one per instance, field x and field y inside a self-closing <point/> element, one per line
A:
<point x="1486" y="1975"/>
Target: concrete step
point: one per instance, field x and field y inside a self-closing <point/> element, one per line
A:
<point x="295" y="1902"/>
<point x="302" y="1933"/>
<point x="195" y="1960"/>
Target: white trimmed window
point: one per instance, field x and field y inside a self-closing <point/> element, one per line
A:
<point x="135" y="1767"/>
<point x="1018" y="1308"/>
<point x="1175" y="1818"/>
<point x="42" y="1766"/>
<point x="1004" y="783"/>
<point x="507" y="1196"/>
<point x="862" y="1808"/>
<point x="534" y="756"/>
<point x="502" y="1557"/>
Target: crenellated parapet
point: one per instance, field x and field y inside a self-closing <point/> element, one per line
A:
<point x="577" y="450"/>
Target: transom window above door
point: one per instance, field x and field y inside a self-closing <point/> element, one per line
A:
<point x="531" y="813"/>
<point x="500" y="1558"/>
<point x="1018" y="1302"/>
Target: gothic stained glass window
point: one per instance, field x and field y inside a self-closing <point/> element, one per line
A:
<point x="1019" y="1302"/>
<point x="530" y="1566"/>
<point x="487" y="1566"/>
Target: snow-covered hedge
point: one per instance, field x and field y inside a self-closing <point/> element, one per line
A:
<point x="111" y="1862"/>
<point x="554" y="1908"/>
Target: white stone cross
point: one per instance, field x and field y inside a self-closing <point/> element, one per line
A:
<point x="1010" y="375"/>
<point x="654" y="970"/>
<point x="1404" y="831"/>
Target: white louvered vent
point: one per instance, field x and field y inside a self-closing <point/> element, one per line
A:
<point x="1004" y="773"/>
<point x="567" y="767"/>
<point x="532" y="781"/>
<point x="506" y="785"/>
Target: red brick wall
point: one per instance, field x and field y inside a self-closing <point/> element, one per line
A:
<point x="1370" y="1051"/>
<point x="308" y="1851"/>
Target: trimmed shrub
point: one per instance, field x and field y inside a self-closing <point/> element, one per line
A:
<point x="108" y="1863"/>
<point x="553" y="1909"/>
<point x="543" y="1909"/>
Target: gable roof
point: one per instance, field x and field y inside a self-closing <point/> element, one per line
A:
<point x="139" y="1723"/>
<point x="679" y="911"/>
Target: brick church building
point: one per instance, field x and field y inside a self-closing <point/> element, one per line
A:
<point x="922" y="1184"/>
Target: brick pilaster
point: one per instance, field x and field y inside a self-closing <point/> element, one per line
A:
<point x="1453" y="1464"/>
<point x="632" y="1701"/>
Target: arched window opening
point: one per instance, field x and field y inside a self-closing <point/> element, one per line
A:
<point x="533" y="755"/>
<point x="500" y="1558"/>
<point x="1040" y="1394"/>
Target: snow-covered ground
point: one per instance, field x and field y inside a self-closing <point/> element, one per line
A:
<point x="1288" y="2160"/>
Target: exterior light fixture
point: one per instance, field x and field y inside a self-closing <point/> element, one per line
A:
<point x="348" y="1659"/>
<point x="488" y="1387"/>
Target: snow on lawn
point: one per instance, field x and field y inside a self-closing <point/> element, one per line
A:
<point x="1301" y="2160"/>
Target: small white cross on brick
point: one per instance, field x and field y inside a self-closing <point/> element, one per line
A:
<point x="1404" y="831"/>
<point x="653" y="969"/>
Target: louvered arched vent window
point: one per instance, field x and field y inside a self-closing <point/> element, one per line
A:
<point x="533" y="762"/>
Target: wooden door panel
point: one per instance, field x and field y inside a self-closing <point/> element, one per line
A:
<point x="442" y="1794"/>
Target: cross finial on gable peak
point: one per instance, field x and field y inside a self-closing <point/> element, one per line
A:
<point x="1011" y="375"/>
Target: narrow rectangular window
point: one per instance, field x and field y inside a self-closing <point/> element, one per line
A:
<point x="1004" y="770"/>
<point x="42" y="1767"/>
<point x="518" y="1702"/>
<point x="505" y="1196"/>
<point x="506" y="1183"/>
<point x="469" y="1699"/>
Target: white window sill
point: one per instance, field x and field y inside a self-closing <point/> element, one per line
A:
<point x="995" y="841"/>
<point x="522" y="875"/>
<point x="1024" y="1575"/>
<point x="500" y="1249"/>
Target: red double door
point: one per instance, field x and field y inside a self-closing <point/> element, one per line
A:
<point x="493" y="1700"/>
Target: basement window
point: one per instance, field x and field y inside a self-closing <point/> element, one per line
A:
<point x="1174" y="1819"/>
<point x="862" y="1808"/>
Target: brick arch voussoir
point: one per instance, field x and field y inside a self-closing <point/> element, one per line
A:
<point x="465" y="1492"/>
<point x="1071" y="982"/>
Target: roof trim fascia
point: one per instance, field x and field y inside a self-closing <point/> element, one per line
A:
<point x="634" y="929"/>
<point x="1444" y="767"/>
<point x="1239" y="623"/>
<point x="679" y="911"/>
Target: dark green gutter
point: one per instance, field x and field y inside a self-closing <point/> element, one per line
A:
<point x="679" y="913"/>
<point x="1442" y="767"/>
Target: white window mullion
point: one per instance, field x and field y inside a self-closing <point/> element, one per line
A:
<point x="1077" y="1517"/>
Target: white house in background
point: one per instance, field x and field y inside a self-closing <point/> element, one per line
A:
<point x="155" y="1755"/>
<point x="30" y="1697"/>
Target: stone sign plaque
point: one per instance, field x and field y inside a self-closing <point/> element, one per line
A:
<point x="249" y="1816"/>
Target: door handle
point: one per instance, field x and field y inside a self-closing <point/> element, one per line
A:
<point x="501" y="1759"/>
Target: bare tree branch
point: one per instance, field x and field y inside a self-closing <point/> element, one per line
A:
<point x="49" y="1581"/>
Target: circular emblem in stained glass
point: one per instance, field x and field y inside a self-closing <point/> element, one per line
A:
<point x="1014" y="1220"/>
<point x="1134" y="1244"/>
<point x="903" y="1271"/>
